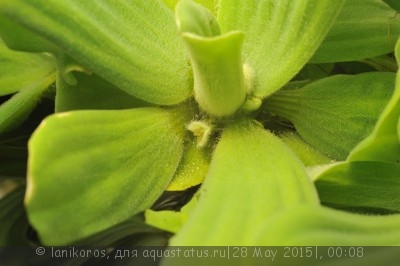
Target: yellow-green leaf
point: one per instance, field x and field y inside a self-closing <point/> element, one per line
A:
<point x="89" y="170"/>
<point x="132" y="44"/>
<point x="281" y="36"/>
<point x="252" y="176"/>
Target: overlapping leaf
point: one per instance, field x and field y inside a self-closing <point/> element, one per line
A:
<point x="369" y="177"/>
<point x="132" y="44"/>
<point x="19" y="38"/>
<point x="27" y="74"/>
<point x="367" y="187"/>
<point x="19" y="70"/>
<point x="92" y="92"/>
<point x="363" y="29"/>
<point x="320" y="226"/>
<point x="119" y="162"/>
<point x="18" y="107"/>
<point x="281" y="36"/>
<point x="252" y="176"/>
<point x="334" y="114"/>
<point x="383" y="143"/>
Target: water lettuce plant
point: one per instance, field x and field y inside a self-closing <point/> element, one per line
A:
<point x="284" y="113"/>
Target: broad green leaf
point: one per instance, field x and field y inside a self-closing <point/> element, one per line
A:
<point x="320" y="226"/>
<point x="14" y="111"/>
<point x="252" y="176"/>
<point x="383" y="143"/>
<point x="308" y="154"/>
<point x="281" y="36"/>
<point x="367" y="186"/>
<point x="132" y="44"/>
<point x="363" y="29"/>
<point x="192" y="169"/>
<point x="14" y="224"/>
<point x="19" y="38"/>
<point x="119" y="163"/>
<point x="219" y="86"/>
<point x="92" y="92"/>
<point x="19" y="69"/>
<point x="334" y="114"/>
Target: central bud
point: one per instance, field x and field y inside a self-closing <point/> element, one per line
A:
<point x="219" y="82"/>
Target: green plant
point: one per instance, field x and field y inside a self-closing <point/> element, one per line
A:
<point x="289" y="111"/>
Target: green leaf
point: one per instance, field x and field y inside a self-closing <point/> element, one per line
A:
<point x="132" y="44"/>
<point x="334" y="114"/>
<point x="219" y="84"/>
<point x="319" y="226"/>
<point x="19" y="38"/>
<point x="29" y="75"/>
<point x="281" y="36"/>
<point x="363" y="29"/>
<point x="14" y="111"/>
<point x="92" y="92"/>
<point x="367" y="186"/>
<point x="252" y="176"/>
<point x="383" y="144"/>
<point x="21" y="69"/>
<point x="119" y="163"/>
